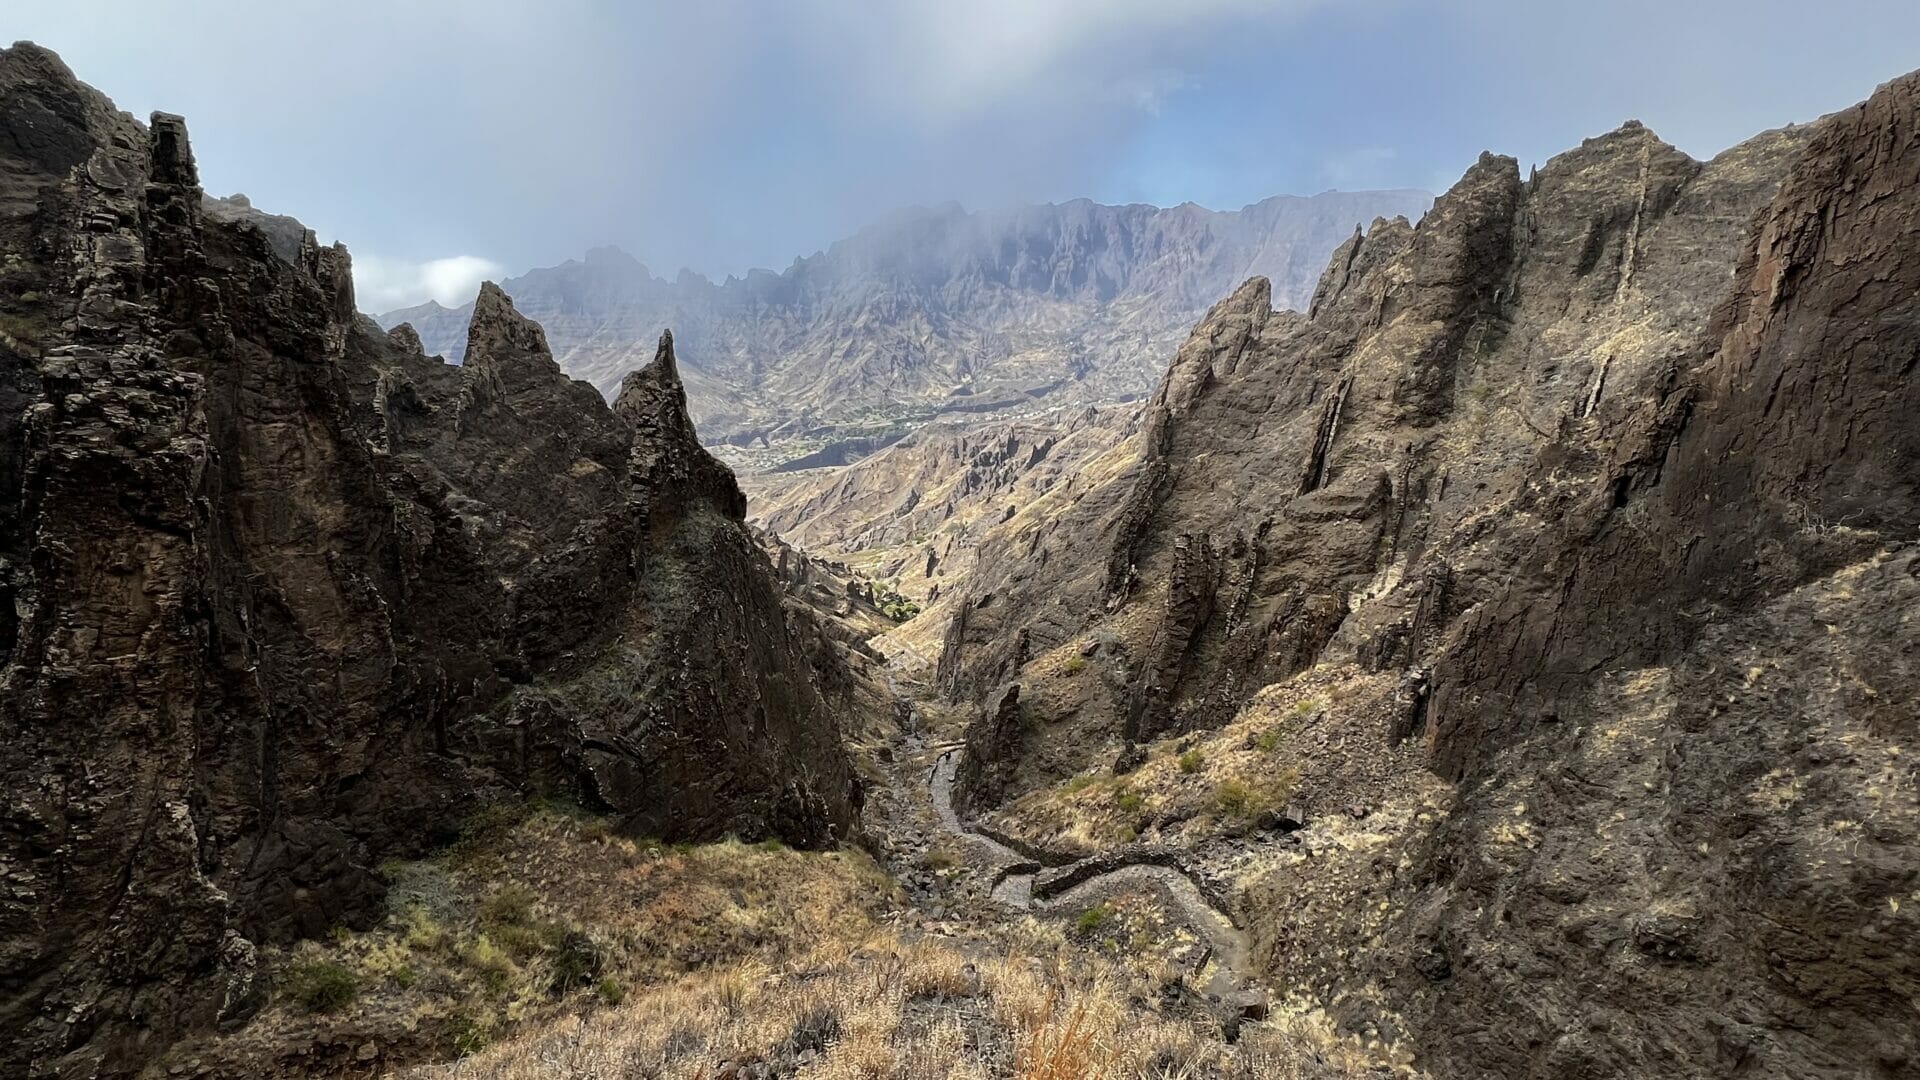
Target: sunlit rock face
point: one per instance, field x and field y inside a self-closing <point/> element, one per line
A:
<point x="1593" y="492"/>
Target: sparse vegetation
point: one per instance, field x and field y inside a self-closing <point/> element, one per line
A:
<point x="1044" y="1010"/>
<point x="1075" y="665"/>
<point x="609" y="991"/>
<point x="1250" y="797"/>
<point x="892" y="603"/>
<point x="1231" y="780"/>
<point x="537" y="911"/>
<point x="1069" y="1051"/>
<point x="1092" y="920"/>
<point x="320" y="986"/>
<point x="21" y="332"/>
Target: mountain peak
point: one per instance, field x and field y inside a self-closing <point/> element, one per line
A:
<point x="611" y="260"/>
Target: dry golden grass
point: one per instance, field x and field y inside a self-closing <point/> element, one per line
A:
<point x="894" y="1009"/>
<point x="534" y="917"/>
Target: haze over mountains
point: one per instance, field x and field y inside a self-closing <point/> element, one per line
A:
<point x="1504" y="663"/>
<point x="930" y="310"/>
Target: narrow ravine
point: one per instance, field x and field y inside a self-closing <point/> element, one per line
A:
<point x="1022" y="885"/>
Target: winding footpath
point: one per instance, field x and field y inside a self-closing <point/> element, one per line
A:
<point x="1022" y="884"/>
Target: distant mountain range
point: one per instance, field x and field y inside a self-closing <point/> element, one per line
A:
<point x="929" y="312"/>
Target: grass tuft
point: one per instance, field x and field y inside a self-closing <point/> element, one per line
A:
<point x="1092" y="920"/>
<point x="321" y="986"/>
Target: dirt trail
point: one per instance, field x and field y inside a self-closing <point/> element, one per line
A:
<point x="1183" y="898"/>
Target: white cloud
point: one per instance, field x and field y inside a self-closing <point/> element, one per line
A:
<point x="382" y="284"/>
<point x="948" y="60"/>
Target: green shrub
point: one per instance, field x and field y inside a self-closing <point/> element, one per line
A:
<point x="1191" y="761"/>
<point x="1076" y="665"/>
<point x="27" y="333"/>
<point x="610" y="991"/>
<point x="900" y="610"/>
<point x="575" y="963"/>
<point x="1269" y="740"/>
<point x="1080" y="783"/>
<point x="524" y="940"/>
<point x="1233" y="798"/>
<point x="470" y="1033"/>
<point x="1092" y="920"/>
<point x="1249" y="798"/>
<point x="321" y="986"/>
<point x="1129" y="802"/>
<point x="495" y="968"/>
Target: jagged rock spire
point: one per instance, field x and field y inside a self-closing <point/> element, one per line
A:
<point x="665" y="446"/>
<point x="653" y="398"/>
<point x="172" y="152"/>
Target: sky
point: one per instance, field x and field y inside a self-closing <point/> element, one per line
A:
<point x="445" y="141"/>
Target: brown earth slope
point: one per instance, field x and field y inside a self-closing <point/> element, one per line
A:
<point x="281" y="597"/>
<point x="915" y="513"/>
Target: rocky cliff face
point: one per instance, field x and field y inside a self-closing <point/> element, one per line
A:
<point x="281" y="596"/>
<point x="1607" y="475"/>
<point x="932" y="311"/>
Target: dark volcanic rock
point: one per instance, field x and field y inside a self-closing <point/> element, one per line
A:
<point x="993" y="745"/>
<point x="1748" y="556"/>
<point x="1612" y="471"/>
<point x="283" y="597"/>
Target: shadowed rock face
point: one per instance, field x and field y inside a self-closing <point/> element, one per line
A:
<point x="1616" y="467"/>
<point x="281" y="597"/>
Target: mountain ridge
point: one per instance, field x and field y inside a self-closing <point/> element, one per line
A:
<point x="931" y="310"/>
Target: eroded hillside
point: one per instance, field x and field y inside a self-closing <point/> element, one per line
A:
<point x="1518" y="627"/>
<point x="915" y="513"/>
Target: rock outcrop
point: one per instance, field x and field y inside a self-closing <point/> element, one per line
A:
<point x="930" y="312"/>
<point x="1611" y="471"/>
<point x="281" y="596"/>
